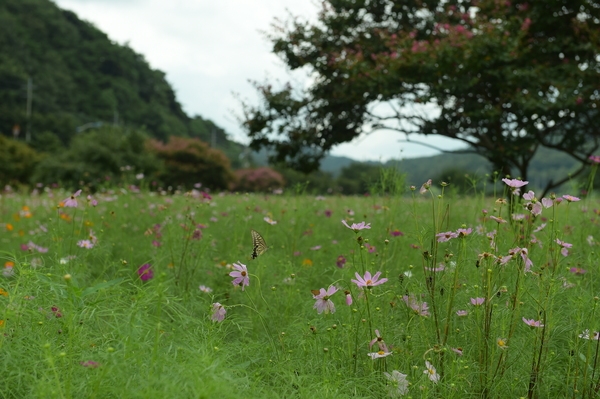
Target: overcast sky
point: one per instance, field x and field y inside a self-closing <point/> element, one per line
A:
<point x="210" y="49"/>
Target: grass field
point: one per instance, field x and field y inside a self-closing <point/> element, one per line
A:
<point x="132" y="297"/>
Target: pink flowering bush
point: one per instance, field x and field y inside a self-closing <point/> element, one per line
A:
<point x="257" y="180"/>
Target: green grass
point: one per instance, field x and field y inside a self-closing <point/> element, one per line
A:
<point x="155" y="338"/>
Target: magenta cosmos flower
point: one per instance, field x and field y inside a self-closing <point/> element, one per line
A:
<point x="367" y="281"/>
<point x="240" y="275"/>
<point x="357" y="226"/>
<point x="323" y="303"/>
<point x="145" y="272"/>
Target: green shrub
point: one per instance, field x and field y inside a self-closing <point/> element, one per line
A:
<point x="17" y="161"/>
<point x="109" y="154"/>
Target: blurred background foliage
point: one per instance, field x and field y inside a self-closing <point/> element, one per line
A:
<point x="99" y="115"/>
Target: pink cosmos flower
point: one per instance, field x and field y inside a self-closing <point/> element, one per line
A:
<point x="348" y="298"/>
<point x="461" y="313"/>
<point x="458" y="351"/>
<point x="547" y="202"/>
<point x="219" y="312"/>
<point x="92" y="201"/>
<point x="380" y="343"/>
<point x="477" y="301"/>
<point x="595" y="159"/>
<point x="464" y="232"/>
<point x="498" y="219"/>
<point x="529" y="196"/>
<point x="71" y="202"/>
<point x="431" y="373"/>
<point x="205" y="289"/>
<point x="514" y="183"/>
<point x="540" y="227"/>
<point x="315" y="248"/>
<point x="578" y="271"/>
<point x="440" y="268"/>
<point x="32" y="246"/>
<point x="533" y="323"/>
<point x="446" y="236"/>
<point x="328" y="213"/>
<point x="145" y="272"/>
<point x="512" y="253"/>
<point x="396" y="233"/>
<point x="323" y="303"/>
<point x="85" y="244"/>
<point x="367" y="281"/>
<point x="570" y="198"/>
<point x="420" y="308"/>
<point x="240" y="275"/>
<point x="341" y="261"/>
<point x="370" y="248"/>
<point x="565" y="247"/>
<point x="357" y="226"/>
<point x="425" y="187"/>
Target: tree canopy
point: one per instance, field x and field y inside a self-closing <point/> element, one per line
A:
<point x="504" y="77"/>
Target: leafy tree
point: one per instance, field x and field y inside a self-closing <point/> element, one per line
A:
<point x="503" y="77"/>
<point x="190" y="161"/>
<point x="96" y="157"/>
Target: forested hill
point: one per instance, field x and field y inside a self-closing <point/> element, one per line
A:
<point x="79" y="76"/>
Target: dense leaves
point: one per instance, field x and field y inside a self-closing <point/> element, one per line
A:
<point x="503" y="77"/>
<point x="107" y="156"/>
<point x="188" y="162"/>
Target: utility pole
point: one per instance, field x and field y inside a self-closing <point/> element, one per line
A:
<point x="29" y="102"/>
<point x="213" y="138"/>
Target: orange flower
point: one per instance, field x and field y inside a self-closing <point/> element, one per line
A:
<point x="25" y="212"/>
<point x="65" y="217"/>
<point x="9" y="264"/>
<point x="307" y="262"/>
<point x="3" y="293"/>
<point x="9" y="227"/>
<point x="1" y="323"/>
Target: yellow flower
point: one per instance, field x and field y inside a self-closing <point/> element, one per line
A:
<point x="9" y="227"/>
<point x="501" y="343"/>
<point x="1" y="323"/>
<point x="3" y="293"/>
<point x="307" y="262"/>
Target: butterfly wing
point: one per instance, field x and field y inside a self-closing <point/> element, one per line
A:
<point x="259" y="246"/>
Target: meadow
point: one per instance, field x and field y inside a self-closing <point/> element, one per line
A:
<point x="129" y="293"/>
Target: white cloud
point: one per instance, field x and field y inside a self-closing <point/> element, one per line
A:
<point x="210" y="49"/>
